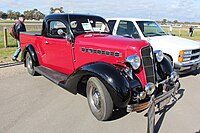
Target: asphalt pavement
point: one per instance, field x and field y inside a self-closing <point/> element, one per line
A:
<point x="36" y="105"/>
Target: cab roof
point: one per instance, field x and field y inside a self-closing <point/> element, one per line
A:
<point x="130" y="19"/>
<point x="65" y="16"/>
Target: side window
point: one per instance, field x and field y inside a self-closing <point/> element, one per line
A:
<point x="111" y="24"/>
<point x="54" y="26"/>
<point x="127" y="29"/>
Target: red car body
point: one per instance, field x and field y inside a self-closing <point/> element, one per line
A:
<point x="56" y="54"/>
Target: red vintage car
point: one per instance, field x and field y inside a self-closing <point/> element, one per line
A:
<point x="78" y="52"/>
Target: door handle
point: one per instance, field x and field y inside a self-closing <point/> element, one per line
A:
<point x="46" y="42"/>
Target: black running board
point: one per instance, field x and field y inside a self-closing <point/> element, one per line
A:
<point x="56" y="77"/>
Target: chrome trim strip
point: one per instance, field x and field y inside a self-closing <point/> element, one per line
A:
<point x="190" y="55"/>
<point x="189" y="63"/>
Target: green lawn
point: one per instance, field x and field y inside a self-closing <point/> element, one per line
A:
<point x="183" y="32"/>
<point x="6" y="54"/>
<point x="11" y="41"/>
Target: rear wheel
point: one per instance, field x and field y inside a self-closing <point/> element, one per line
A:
<point x="29" y="65"/>
<point x="99" y="99"/>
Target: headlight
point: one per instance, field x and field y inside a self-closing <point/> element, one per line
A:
<point x="159" y="55"/>
<point x="184" y="55"/>
<point x="150" y="88"/>
<point x="185" y="52"/>
<point x="134" y="60"/>
<point x="174" y="76"/>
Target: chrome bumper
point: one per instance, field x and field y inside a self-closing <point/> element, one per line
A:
<point x="194" y="65"/>
<point x="168" y="94"/>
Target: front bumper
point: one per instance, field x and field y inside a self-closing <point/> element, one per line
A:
<point x="165" y="95"/>
<point x="187" y="67"/>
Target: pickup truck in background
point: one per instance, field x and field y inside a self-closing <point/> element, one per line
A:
<point x="184" y="54"/>
<point x="78" y="52"/>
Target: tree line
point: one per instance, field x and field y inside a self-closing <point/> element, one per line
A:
<point x="29" y="14"/>
<point x="165" y="21"/>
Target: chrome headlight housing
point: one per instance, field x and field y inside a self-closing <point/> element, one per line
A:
<point x="134" y="60"/>
<point x="150" y="88"/>
<point x="159" y="55"/>
<point x="174" y="76"/>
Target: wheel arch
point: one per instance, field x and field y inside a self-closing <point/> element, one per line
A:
<point x="164" y="68"/>
<point x="29" y="48"/>
<point x="115" y="82"/>
<point x="168" y="55"/>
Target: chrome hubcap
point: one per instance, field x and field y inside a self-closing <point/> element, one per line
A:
<point x="30" y="63"/>
<point x="95" y="97"/>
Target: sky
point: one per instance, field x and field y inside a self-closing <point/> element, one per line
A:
<point x="181" y="10"/>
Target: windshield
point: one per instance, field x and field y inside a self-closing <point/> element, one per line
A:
<point x="81" y="25"/>
<point x="150" y="28"/>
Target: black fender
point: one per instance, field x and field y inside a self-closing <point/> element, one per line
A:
<point x="29" y="48"/>
<point x="115" y="82"/>
<point x="164" y="68"/>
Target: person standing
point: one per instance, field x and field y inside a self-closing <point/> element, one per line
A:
<point x="170" y="30"/>
<point x="191" y="30"/>
<point x="18" y="27"/>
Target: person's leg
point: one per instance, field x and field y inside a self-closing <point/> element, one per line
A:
<point x="16" y="54"/>
<point x="190" y="34"/>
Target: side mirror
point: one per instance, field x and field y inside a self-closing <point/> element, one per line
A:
<point x="69" y="37"/>
<point x="61" y="32"/>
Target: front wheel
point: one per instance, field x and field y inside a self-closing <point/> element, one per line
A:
<point x="99" y="99"/>
<point x="29" y="65"/>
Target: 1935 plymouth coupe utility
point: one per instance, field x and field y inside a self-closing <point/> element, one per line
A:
<point x="78" y="52"/>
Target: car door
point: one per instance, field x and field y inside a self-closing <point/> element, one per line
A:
<point x="57" y="51"/>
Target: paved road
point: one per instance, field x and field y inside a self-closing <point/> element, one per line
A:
<point x="36" y="105"/>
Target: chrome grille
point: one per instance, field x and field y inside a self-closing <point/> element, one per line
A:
<point x="195" y="54"/>
<point x="148" y="63"/>
<point x="195" y="51"/>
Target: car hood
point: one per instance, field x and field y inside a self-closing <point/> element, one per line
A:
<point x="173" y="42"/>
<point x="110" y="42"/>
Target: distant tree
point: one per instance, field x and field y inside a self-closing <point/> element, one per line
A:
<point x="28" y="14"/>
<point x="168" y="21"/>
<point x="38" y="15"/>
<point x="13" y="14"/>
<point x="33" y="14"/>
<point x="1" y="13"/>
<point x="4" y="16"/>
<point x="175" y="21"/>
<point x="17" y="14"/>
<point x="164" y="21"/>
<point x="52" y="10"/>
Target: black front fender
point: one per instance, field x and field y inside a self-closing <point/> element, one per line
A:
<point x="116" y="84"/>
<point x="164" y="68"/>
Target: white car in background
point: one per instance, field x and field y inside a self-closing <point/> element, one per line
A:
<point x="183" y="53"/>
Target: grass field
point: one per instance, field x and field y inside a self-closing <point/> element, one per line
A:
<point x="6" y="54"/>
<point x="183" y="32"/>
